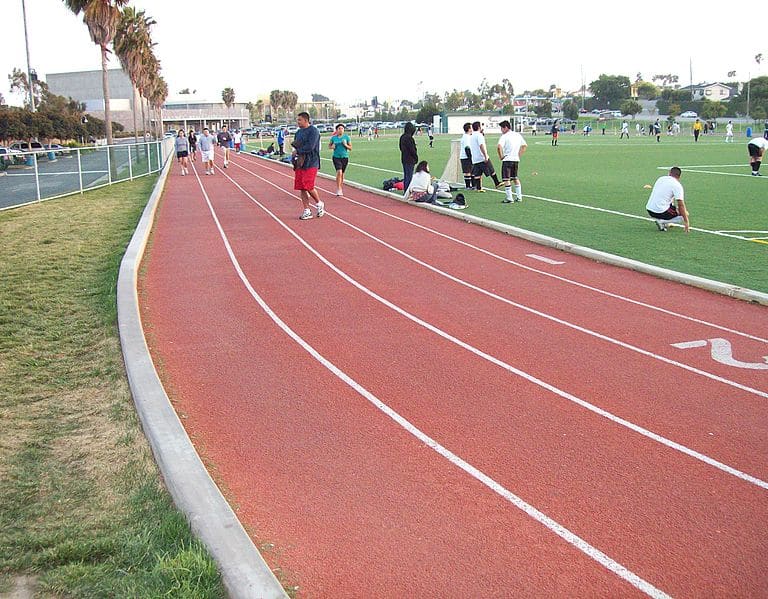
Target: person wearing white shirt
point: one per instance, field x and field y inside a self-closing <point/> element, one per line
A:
<point x="511" y="147"/>
<point x="421" y="188"/>
<point x="661" y="205"/>
<point x="481" y="161"/>
<point x="624" y="130"/>
<point x="729" y="132"/>
<point x="756" y="147"/>
<point x="465" y="154"/>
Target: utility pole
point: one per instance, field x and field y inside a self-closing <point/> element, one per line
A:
<point x="29" y="70"/>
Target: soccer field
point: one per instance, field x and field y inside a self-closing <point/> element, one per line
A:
<point x="590" y="191"/>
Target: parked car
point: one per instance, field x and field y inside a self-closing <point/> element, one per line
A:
<point x="9" y="156"/>
<point x="23" y="146"/>
<point x="57" y="149"/>
<point x="689" y="114"/>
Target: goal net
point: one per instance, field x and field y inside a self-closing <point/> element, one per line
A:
<point x="452" y="172"/>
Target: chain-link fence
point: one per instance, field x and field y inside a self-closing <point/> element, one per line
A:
<point x="53" y="172"/>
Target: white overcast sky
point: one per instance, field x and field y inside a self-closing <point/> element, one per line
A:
<point x="351" y="50"/>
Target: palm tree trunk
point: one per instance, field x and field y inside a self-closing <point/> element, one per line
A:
<point x="133" y="106"/>
<point x="105" y="86"/>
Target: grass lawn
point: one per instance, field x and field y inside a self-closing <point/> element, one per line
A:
<point x="564" y="185"/>
<point x="82" y="507"/>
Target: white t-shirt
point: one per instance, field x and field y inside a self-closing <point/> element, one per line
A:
<point x="625" y="126"/>
<point x="238" y="137"/>
<point x="474" y="145"/>
<point x="729" y="129"/>
<point x="666" y="190"/>
<point x="466" y="139"/>
<point x="760" y="142"/>
<point x="510" y="144"/>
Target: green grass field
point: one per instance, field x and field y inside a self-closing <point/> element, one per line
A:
<point x="564" y="186"/>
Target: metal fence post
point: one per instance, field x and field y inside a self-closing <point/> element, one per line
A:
<point x="80" y="169"/>
<point x="37" y="176"/>
<point x="130" y="167"/>
<point x="109" y="166"/>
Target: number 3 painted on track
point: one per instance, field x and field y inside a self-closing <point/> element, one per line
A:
<point x="721" y="352"/>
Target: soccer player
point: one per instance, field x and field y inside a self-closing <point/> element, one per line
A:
<point x="306" y="156"/>
<point x="341" y="144"/>
<point x="207" y="143"/>
<point x="224" y="138"/>
<point x="756" y="147"/>
<point x="624" y="130"/>
<point x="481" y="161"/>
<point x="511" y="147"/>
<point x="729" y="132"/>
<point x="666" y="191"/>
<point x="465" y="154"/>
<point x="696" y="130"/>
<point x="555" y="131"/>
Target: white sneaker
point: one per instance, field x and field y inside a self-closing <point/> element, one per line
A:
<point x="518" y="199"/>
<point x="320" y="209"/>
<point x="661" y="226"/>
<point x="339" y="193"/>
<point x="307" y="214"/>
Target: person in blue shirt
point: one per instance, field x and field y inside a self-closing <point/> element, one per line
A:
<point x="306" y="162"/>
<point x="281" y="141"/>
<point x="341" y="144"/>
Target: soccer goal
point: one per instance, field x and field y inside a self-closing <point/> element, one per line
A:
<point x="452" y="172"/>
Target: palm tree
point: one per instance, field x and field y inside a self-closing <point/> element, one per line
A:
<point x="133" y="45"/>
<point x="101" y="17"/>
<point x="228" y="95"/>
<point x="276" y="101"/>
<point x="290" y="100"/>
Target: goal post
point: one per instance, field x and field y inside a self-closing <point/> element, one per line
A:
<point x="452" y="172"/>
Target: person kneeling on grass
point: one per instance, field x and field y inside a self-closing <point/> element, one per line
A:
<point x="421" y="188"/>
<point x="666" y="191"/>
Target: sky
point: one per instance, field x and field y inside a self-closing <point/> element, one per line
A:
<point x="351" y="51"/>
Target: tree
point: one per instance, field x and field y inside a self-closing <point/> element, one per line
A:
<point x="184" y="92"/>
<point x="758" y="98"/>
<point x="631" y="108"/>
<point x="610" y="90"/>
<point x="275" y="103"/>
<point x="544" y="109"/>
<point x="228" y="96"/>
<point x="647" y="90"/>
<point x="133" y="47"/>
<point x="320" y="98"/>
<point x="290" y="99"/>
<point x="101" y="18"/>
<point x="19" y="83"/>
<point x="570" y="110"/>
<point x="712" y="110"/>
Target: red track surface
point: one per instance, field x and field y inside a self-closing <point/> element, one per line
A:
<point x="356" y="505"/>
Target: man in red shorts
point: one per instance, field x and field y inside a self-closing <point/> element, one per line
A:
<point x="306" y="163"/>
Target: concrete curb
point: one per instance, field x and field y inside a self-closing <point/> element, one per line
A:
<point x="244" y="572"/>
<point x="741" y="293"/>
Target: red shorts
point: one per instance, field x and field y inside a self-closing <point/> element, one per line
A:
<point x="305" y="179"/>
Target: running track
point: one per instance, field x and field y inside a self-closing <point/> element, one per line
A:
<point x="402" y="404"/>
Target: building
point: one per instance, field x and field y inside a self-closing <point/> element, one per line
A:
<point x="716" y="92"/>
<point x="187" y="111"/>
<point x="86" y="87"/>
<point x="453" y="122"/>
<point x="183" y="111"/>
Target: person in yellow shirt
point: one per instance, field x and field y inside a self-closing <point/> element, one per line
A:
<point x="696" y="130"/>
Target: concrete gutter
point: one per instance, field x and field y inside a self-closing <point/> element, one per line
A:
<point x="244" y="572"/>
<point x="741" y="293"/>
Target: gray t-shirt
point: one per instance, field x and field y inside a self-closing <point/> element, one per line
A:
<point x="206" y="143"/>
<point x="182" y="144"/>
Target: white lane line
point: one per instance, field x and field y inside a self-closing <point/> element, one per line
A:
<point x="492" y="359"/>
<point x="554" y="526"/>
<point x="543" y="259"/>
<point x="560" y="278"/>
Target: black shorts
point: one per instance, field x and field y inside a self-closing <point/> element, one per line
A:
<point x="466" y="165"/>
<point x="668" y="215"/>
<point x="483" y="168"/>
<point x="182" y="154"/>
<point x="509" y="169"/>
<point x="754" y="151"/>
<point x="340" y="164"/>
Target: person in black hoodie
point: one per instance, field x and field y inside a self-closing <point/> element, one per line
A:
<point x="408" y="154"/>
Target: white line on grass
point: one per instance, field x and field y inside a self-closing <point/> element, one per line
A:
<point x="557" y="528"/>
<point x="493" y="360"/>
<point x="695" y="170"/>
<point x="585" y="206"/>
<point x="675" y="314"/>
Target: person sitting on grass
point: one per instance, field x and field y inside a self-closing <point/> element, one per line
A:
<point x="421" y="188"/>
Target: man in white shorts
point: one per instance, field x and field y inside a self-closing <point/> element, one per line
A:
<point x="510" y="148"/>
<point x="206" y="144"/>
<point x="756" y="147"/>
<point x="661" y="205"/>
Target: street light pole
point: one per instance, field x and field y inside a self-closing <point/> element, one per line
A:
<point x="29" y="70"/>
